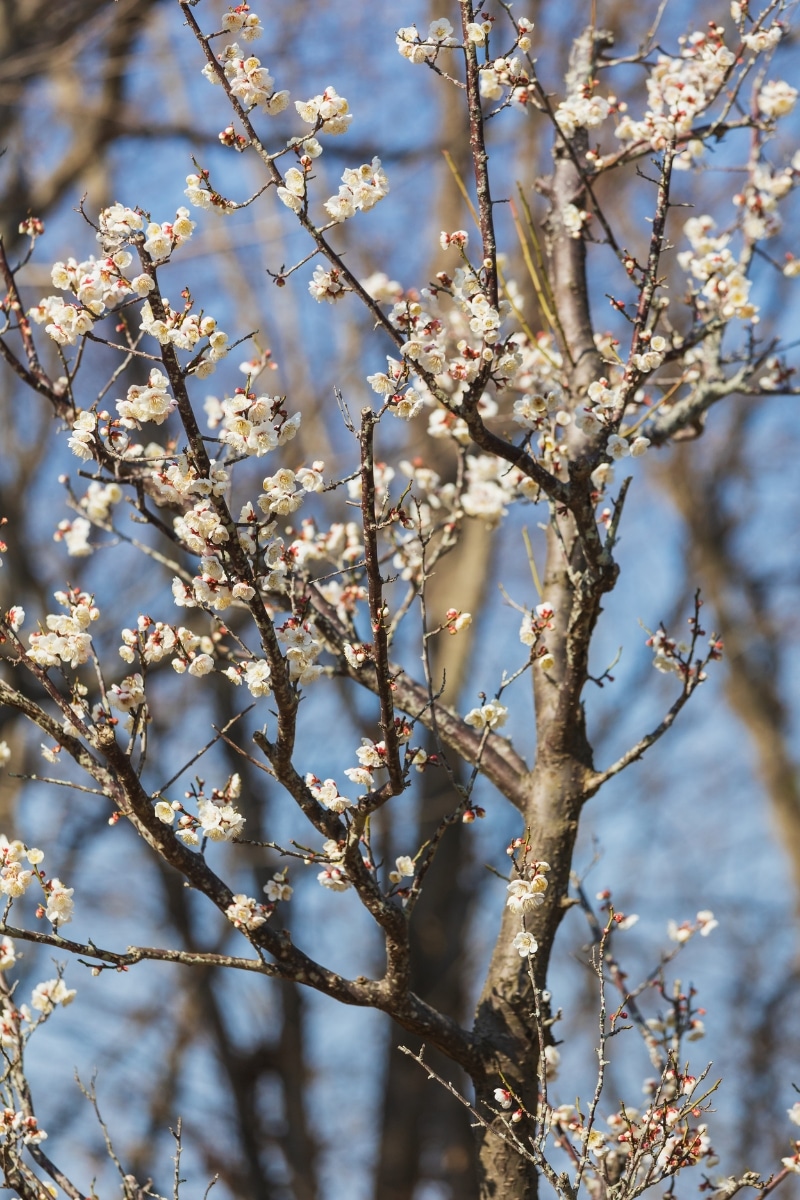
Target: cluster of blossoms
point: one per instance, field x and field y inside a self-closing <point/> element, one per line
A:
<point x="403" y="869"/>
<point x="759" y="199"/>
<point x="506" y="73"/>
<point x="16" y="1125"/>
<point x="97" y="503"/>
<point x="292" y="192"/>
<point x="575" y="220"/>
<point x="119" y="226"/>
<point x="455" y="621"/>
<point x="200" y="195"/>
<point x="67" y="640"/>
<point x="99" y="285"/>
<point x="328" y="112"/>
<point x="793" y="1161"/>
<point x="16" y="878"/>
<point x="492" y="715"/>
<point x="703" y="924"/>
<point x="668" y="655"/>
<point x="82" y="438"/>
<point x="652" y="357"/>
<point x="217" y="818"/>
<point x="161" y="240"/>
<point x="65" y="322"/>
<point x="179" y="478"/>
<point x="340" y="544"/>
<point x="390" y="383"/>
<point x="581" y="110"/>
<point x="326" y="792"/>
<point x="201" y="528"/>
<point x="544" y="413"/>
<point x="487" y="490"/>
<point x="459" y="238"/>
<point x="534" y="626"/>
<point x="153" y="641"/>
<point x="503" y="72"/>
<point x="277" y="888"/>
<point x="327" y="285"/>
<point x="100" y="499"/>
<point x="359" y="653"/>
<point x="680" y="88"/>
<point x="658" y="1141"/>
<point x="418" y="49"/>
<point x="303" y="646"/>
<point x="251" y="83"/>
<point x="147" y="402"/>
<point x="195" y="654"/>
<point x="371" y="757"/>
<point x="185" y="330"/>
<point x="240" y="20"/>
<point x="776" y="99"/>
<point x="618" y="447"/>
<point x="48" y="994"/>
<point x="726" y="288"/>
<point x="96" y="284"/>
<point x="75" y="536"/>
<point x="526" y="893"/>
<point x="490" y="487"/>
<point x="283" y="491"/>
<point x="127" y="695"/>
<point x="58" y="902"/>
<point x="599" y="412"/>
<point x="455" y="344"/>
<point x="211" y="587"/>
<point x="361" y="189"/>
<point x="600" y="408"/>
<point x="759" y="40"/>
<point x="257" y="677"/>
<point x="334" y="878"/>
<point x="246" y="913"/>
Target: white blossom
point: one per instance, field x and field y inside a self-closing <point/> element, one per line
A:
<point x="491" y="715"/>
<point x="525" y="944"/>
<point x="245" y="913"/>
<point x="48" y="994"/>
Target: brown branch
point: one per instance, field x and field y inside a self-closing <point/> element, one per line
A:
<point x="500" y="763"/>
<point x="650" y="281"/>
<point x="568" y="254"/>
<point x="693" y="675"/>
<point x="121" y="960"/>
<point x="378" y="611"/>
<point x="690" y="411"/>
<point x="480" y="157"/>
<point x="34" y="374"/>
